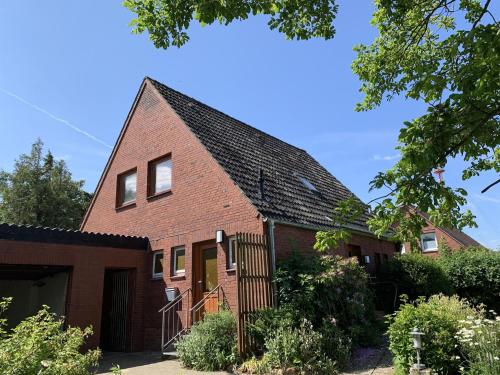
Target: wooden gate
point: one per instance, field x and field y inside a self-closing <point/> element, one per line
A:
<point x="254" y="281"/>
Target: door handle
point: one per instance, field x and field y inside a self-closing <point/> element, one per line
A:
<point x="200" y="284"/>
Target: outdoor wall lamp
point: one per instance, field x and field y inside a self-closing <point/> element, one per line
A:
<point x="219" y="236"/>
<point x="417" y="344"/>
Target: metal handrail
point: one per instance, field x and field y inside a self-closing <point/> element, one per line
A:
<point x="194" y="310"/>
<point x="174" y="300"/>
<point x="169" y="315"/>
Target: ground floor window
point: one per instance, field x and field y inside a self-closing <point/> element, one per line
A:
<point x="158" y="264"/>
<point x="179" y="260"/>
<point x="231" y="263"/>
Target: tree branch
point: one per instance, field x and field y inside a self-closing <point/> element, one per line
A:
<point x="490" y="185"/>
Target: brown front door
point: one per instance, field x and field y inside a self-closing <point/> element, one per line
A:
<point x="206" y="279"/>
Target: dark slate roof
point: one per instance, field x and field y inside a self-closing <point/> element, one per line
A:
<point x="461" y="237"/>
<point x="243" y="151"/>
<point x="70" y="237"/>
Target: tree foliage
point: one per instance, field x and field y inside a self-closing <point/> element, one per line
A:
<point x="41" y="191"/>
<point x="422" y="53"/>
<point x="167" y="21"/>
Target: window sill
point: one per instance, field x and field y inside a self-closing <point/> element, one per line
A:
<point x="178" y="277"/>
<point x="231" y="270"/>
<point x="125" y="206"/>
<point x="159" y="195"/>
<point x="430" y="251"/>
<point x="157" y="278"/>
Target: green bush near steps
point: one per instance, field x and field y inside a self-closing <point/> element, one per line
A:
<point x="211" y="344"/>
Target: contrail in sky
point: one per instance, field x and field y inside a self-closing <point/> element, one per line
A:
<point x="54" y="117"/>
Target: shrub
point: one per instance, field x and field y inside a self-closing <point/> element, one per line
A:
<point x="211" y="344"/>
<point x="319" y="287"/>
<point x="475" y="275"/>
<point x="38" y="345"/>
<point x="299" y="349"/>
<point x="416" y="275"/>
<point x="333" y="343"/>
<point x="480" y="343"/>
<point x="438" y="318"/>
<point x="264" y="323"/>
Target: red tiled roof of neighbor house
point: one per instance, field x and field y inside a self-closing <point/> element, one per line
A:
<point x="282" y="181"/>
<point x="72" y="237"/>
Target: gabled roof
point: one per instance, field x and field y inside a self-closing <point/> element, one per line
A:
<point x="31" y="233"/>
<point x="245" y="152"/>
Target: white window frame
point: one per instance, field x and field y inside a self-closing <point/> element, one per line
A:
<point x="231" y="261"/>
<point x="175" y="271"/>
<point x="155" y="254"/>
<point x="422" y="242"/>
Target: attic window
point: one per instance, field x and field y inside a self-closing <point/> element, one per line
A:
<point x="307" y="183"/>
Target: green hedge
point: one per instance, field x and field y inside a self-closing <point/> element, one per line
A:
<point x="475" y="275"/>
<point x="417" y="275"/>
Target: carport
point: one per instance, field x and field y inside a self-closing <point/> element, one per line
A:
<point x="31" y="287"/>
<point x="89" y="278"/>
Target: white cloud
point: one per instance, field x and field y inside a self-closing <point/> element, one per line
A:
<point x="378" y="157"/>
<point x="487" y="198"/>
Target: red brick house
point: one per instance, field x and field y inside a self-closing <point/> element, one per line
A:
<point x="187" y="178"/>
<point x="432" y="236"/>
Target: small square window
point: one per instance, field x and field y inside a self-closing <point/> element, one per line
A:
<point x="158" y="264"/>
<point x="160" y="176"/>
<point x="231" y="253"/>
<point x="126" y="188"/>
<point x="179" y="260"/>
<point x="429" y="242"/>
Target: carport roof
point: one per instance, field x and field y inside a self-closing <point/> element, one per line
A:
<point x="71" y="237"/>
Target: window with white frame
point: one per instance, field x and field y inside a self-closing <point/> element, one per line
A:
<point x="429" y="242"/>
<point x="231" y="262"/>
<point x="179" y="260"/>
<point x="158" y="264"/>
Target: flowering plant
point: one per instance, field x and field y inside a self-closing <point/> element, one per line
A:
<point x="479" y="340"/>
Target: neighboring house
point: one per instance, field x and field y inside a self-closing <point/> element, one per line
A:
<point x="184" y="178"/>
<point x="432" y="236"/>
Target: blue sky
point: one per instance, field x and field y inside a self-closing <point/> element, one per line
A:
<point x="78" y="65"/>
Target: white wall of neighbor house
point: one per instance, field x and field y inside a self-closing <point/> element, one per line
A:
<point x="30" y="295"/>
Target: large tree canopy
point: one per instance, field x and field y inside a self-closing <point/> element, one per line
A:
<point x="167" y="21"/>
<point x="444" y="53"/>
<point x="40" y="191"/>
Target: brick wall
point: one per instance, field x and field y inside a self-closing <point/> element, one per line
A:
<point x="203" y="199"/>
<point x="85" y="290"/>
<point x="289" y="238"/>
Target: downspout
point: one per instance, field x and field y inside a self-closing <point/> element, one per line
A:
<point x="270" y="228"/>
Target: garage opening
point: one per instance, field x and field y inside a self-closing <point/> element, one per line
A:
<point x="31" y="287"/>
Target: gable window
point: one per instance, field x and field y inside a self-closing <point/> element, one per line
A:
<point x="126" y="188"/>
<point x="429" y="242"/>
<point x="179" y="260"/>
<point x="231" y="261"/>
<point x="159" y="175"/>
<point x="158" y="264"/>
<point x="307" y="183"/>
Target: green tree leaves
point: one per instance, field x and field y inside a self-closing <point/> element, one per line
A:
<point x="422" y="54"/>
<point x="41" y="191"/>
<point x="167" y="21"/>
